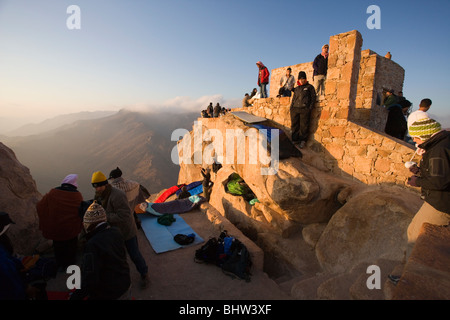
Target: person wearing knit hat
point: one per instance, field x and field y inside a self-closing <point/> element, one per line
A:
<point x="135" y="192"/>
<point x="302" y="103"/>
<point x="432" y="176"/>
<point x="60" y="221"/>
<point x="99" y="179"/>
<point x="424" y="129"/>
<point x="105" y="274"/>
<point x="71" y="179"/>
<point x="93" y="216"/>
<point x="120" y="215"/>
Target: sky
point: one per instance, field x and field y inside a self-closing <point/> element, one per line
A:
<point x="179" y="54"/>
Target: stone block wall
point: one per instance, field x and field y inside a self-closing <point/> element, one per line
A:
<point x="347" y="124"/>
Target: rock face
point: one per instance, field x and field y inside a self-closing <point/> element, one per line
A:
<point x="307" y="217"/>
<point x="19" y="196"/>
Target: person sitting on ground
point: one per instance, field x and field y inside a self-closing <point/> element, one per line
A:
<point x="287" y="83"/>
<point x="184" y="193"/>
<point x="105" y="274"/>
<point x="245" y="101"/>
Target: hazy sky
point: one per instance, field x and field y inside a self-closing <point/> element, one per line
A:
<point x="143" y="53"/>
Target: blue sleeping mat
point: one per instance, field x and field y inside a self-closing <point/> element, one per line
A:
<point x="161" y="236"/>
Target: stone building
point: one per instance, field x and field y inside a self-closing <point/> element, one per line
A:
<point x="347" y="125"/>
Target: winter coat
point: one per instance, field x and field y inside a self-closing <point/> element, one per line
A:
<point x="58" y="213"/>
<point x="435" y="171"/>
<point x="396" y="124"/>
<point x="320" y="65"/>
<point x="263" y="75"/>
<point x="118" y="211"/>
<point x="105" y="274"/>
<point x="304" y="96"/>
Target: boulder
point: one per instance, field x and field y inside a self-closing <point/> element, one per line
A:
<point x="371" y="225"/>
<point x="19" y="196"/>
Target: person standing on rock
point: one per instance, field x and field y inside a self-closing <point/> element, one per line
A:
<point x="119" y="215"/>
<point x="432" y="176"/>
<point x="206" y="183"/>
<point x="302" y="103"/>
<point x="105" y="274"/>
<point x="59" y="220"/>
<point x="263" y="79"/>
<point x="320" y="66"/>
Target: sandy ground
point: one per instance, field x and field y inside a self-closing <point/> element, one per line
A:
<point x="174" y="275"/>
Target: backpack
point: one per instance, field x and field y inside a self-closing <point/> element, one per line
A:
<point x="210" y="252"/>
<point x="238" y="261"/>
<point x="228" y="253"/>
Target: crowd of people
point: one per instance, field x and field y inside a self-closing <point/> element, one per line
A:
<point x="214" y="111"/>
<point x="107" y="225"/>
<point x="104" y="228"/>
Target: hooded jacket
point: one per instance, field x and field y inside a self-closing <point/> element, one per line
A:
<point x="263" y="75"/>
<point x="435" y="171"/>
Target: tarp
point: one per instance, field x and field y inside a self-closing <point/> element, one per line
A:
<point x="190" y="186"/>
<point x="247" y="117"/>
<point x="161" y="237"/>
<point x="286" y="148"/>
<point x="163" y="197"/>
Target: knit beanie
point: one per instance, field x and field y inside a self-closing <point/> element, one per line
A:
<point x="94" y="215"/>
<point x="302" y="75"/>
<point x="424" y="128"/>
<point x="71" y="179"/>
<point x="116" y="173"/>
<point x="98" y="179"/>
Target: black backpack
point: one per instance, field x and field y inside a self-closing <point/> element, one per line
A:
<point x="210" y="252"/>
<point x="238" y="261"/>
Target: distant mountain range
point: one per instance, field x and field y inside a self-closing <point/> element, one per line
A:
<point x="138" y="143"/>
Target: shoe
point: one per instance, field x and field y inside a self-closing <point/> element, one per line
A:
<point x="145" y="281"/>
<point x="394" y="278"/>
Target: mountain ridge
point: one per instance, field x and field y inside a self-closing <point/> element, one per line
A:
<point x="139" y="143"/>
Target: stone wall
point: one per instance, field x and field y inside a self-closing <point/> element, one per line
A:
<point x="347" y="124"/>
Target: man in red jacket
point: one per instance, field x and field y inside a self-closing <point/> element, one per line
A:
<point x="263" y="79"/>
<point x="60" y="221"/>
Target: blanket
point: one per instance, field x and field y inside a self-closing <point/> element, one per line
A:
<point x="174" y="206"/>
<point x="163" y="197"/>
